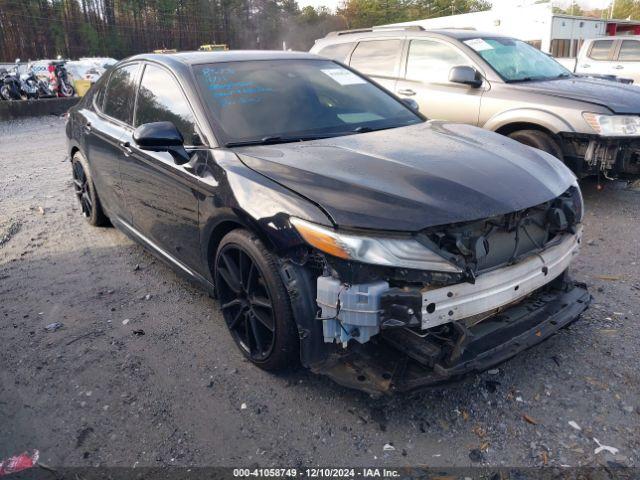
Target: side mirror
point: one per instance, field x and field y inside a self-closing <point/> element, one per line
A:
<point x="411" y="103"/>
<point x="465" y="75"/>
<point x="162" y="137"/>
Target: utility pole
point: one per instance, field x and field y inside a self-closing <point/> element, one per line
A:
<point x="613" y="3"/>
<point x="453" y="7"/>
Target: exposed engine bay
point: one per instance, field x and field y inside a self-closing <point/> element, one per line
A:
<point x="594" y="155"/>
<point x="380" y="324"/>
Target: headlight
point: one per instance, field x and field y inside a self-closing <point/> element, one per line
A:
<point x="377" y="250"/>
<point x="613" y="125"/>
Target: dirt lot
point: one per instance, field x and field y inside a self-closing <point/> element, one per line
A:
<point x="96" y="393"/>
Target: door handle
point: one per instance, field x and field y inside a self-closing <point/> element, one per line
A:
<point x="407" y="91"/>
<point x="618" y="67"/>
<point x="586" y="65"/>
<point x="87" y="127"/>
<point x="126" y="149"/>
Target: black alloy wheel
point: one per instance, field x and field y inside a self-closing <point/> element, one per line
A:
<point x="246" y="303"/>
<point x="86" y="193"/>
<point x="254" y="302"/>
<point x="81" y="187"/>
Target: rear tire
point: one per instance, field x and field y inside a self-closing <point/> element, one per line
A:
<point x="254" y="302"/>
<point x="540" y="140"/>
<point x="85" y="191"/>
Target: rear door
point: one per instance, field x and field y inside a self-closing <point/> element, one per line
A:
<point x="379" y="59"/>
<point x="426" y="79"/>
<point x="162" y="196"/>
<point x="104" y="128"/>
<point x="627" y="61"/>
<point x="599" y="58"/>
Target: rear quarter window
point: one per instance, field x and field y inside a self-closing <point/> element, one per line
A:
<point x="339" y="51"/>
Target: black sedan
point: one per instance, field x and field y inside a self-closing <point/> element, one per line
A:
<point x="337" y="226"/>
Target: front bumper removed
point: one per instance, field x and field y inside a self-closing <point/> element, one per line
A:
<point x="404" y="360"/>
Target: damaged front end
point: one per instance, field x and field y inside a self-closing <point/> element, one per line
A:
<point x="610" y="157"/>
<point x="397" y="313"/>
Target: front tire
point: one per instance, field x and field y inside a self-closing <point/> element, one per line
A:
<point x="540" y="140"/>
<point x="85" y="191"/>
<point x="254" y="301"/>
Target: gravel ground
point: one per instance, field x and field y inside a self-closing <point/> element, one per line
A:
<point x="95" y="393"/>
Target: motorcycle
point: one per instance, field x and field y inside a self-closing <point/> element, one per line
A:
<point x="60" y="80"/>
<point x="38" y="87"/>
<point x="10" y="88"/>
<point x="28" y="83"/>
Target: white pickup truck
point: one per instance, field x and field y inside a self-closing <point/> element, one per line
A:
<point x="616" y="56"/>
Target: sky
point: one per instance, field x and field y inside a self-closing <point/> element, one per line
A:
<point x="586" y="4"/>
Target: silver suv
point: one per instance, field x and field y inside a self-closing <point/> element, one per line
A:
<point x="504" y="85"/>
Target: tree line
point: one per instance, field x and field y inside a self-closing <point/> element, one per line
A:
<point x="32" y="29"/>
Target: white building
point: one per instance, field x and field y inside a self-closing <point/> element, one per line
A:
<point x="558" y="34"/>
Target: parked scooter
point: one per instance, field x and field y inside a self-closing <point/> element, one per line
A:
<point x="60" y="80"/>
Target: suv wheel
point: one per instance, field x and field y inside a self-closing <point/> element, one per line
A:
<point x="254" y="301"/>
<point x="540" y="140"/>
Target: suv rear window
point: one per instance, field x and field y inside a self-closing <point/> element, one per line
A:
<point x="338" y="51"/>
<point x="630" y="51"/>
<point x="377" y="57"/>
<point x="600" y="49"/>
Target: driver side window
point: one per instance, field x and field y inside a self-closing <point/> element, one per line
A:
<point x="429" y="61"/>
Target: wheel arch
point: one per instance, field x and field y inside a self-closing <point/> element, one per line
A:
<point x="218" y="231"/>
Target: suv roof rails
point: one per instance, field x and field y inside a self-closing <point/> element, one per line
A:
<point x="408" y="28"/>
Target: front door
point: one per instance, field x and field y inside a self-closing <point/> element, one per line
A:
<point x="426" y="80"/>
<point x="627" y="64"/>
<point x="161" y="195"/>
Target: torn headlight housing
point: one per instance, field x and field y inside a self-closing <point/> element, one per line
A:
<point x="373" y="248"/>
<point x="613" y="125"/>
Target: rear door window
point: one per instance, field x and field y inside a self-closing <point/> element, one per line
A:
<point x="629" y="51"/>
<point x="431" y="61"/>
<point x="600" y="50"/>
<point x="120" y="94"/>
<point x="377" y="57"/>
<point x="160" y="99"/>
<point x="338" y="51"/>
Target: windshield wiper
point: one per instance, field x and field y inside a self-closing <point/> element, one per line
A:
<point x="274" y="139"/>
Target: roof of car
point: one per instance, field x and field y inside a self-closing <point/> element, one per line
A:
<point x="196" y="57"/>
<point x="412" y="30"/>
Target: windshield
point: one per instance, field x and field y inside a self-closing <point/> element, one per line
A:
<point x="274" y="101"/>
<point x="517" y="61"/>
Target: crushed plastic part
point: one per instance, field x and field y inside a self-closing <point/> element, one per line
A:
<point x="601" y="448"/>
<point x="574" y="425"/>
<point x="19" y="463"/>
<point x="52" y="327"/>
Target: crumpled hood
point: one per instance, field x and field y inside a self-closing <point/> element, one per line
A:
<point x="618" y="97"/>
<point x="410" y="178"/>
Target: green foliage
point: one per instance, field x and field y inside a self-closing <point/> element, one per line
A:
<point x="627" y="9"/>
<point x="118" y="28"/>
<point x="367" y="13"/>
